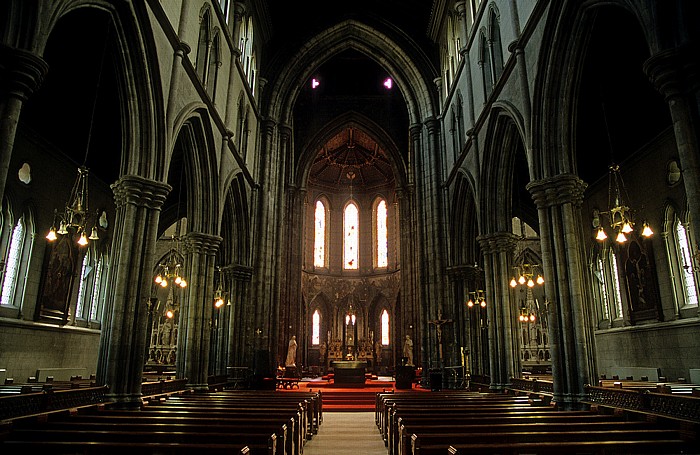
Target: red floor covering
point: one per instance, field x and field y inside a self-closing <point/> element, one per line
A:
<point x="337" y="398"/>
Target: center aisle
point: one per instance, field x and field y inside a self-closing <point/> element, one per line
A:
<point x="347" y="433"/>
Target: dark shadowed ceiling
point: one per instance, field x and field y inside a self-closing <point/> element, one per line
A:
<point x="350" y="85"/>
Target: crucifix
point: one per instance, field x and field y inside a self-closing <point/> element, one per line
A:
<point x="439" y="322"/>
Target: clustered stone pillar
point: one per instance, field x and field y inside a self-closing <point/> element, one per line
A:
<point x="676" y="74"/>
<point x="194" y="332"/>
<point x="22" y="73"/>
<point x="558" y="200"/>
<point x="497" y="249"/>
<point x="123" y="339"/>
<point x="241" y="334"/>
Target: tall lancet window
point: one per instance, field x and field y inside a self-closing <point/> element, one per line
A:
<point x="320" y="235"/>
<point x="382" y="248"/>
<point x="12" y="265"/>
<point x="351" y="239"/>
<point x="691" y="296"/>
<point x="316" y="329"/>
<point x="385" y="328"/>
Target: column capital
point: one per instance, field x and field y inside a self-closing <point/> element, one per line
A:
<point x="461" y="9"/>
<point x="140" y="191"/>
<point x="268" y="125"/>
<point x="433" y="125"/>
<point x="23" y="71"/>
<point x="497" y="242"/>
<point x="557" y="190"/>
<point x="415" y="130"/>
<point x="202" y="242"/>
<point x="674" y="71"/>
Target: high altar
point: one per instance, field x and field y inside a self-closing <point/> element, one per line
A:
<point x="349" y="371"/>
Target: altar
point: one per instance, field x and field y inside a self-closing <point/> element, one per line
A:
<point x="349" y="371"/>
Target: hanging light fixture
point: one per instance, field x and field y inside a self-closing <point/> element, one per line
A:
<point x="171" y="270"/>
<point x="476" y="298"/>
<point x="219" y="294"/>
<point x="75" y="217"/>
<point x="527" y="275"/>
<point x="619" y="212"/>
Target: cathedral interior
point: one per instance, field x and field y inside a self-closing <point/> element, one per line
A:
<point x="188" y="184"/>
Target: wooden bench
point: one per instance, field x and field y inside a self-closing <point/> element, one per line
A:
<point x="495" y="425"/>
<point x="190" y="420"/>
<point x="120" y="448"/>
<point x="673" y="446"/>
<point x="439" y="443"/>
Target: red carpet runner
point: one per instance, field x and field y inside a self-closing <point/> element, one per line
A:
<point x="348" y="399"/>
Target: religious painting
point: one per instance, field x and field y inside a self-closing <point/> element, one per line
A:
<point x="640" y="272"/>
<point x="60" y="263"/>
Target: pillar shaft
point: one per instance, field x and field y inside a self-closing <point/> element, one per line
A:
<point x="123" y="338"/>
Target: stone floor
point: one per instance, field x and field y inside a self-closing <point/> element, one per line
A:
<point x="347" y="433"/>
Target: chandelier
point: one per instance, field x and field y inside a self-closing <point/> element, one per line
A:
<point x="75" y="217"/>
<point x="526" y="315"/>
<point x="476" y="298"/>
<point x="527" y="275"/>
<point x="618" y="211"/>
<point x="219" y="294"/>
<point x="171" y="270"/>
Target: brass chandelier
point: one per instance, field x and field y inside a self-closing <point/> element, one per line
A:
<point x="619" y="212"/>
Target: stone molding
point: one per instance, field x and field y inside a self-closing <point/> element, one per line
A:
<point x="24" y="72"/>
<point x="674" y="71"/>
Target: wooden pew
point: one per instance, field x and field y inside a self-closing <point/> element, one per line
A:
<point x="245" y="437"/>
<point x="438" y="443"/>
<point x="121" y="448"/>
<point x="673" y="446"/>
<point x="495" y="426"/>
<point x="240" y="418"/>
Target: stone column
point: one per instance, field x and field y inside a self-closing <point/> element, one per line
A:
<point x="461" y="10"/>
<point x="241" y="334"/>
<point x="504" y="363"/>
<point x="434" y="279"/>
<point x="123" y="339"/>
<point x="237" y="19"/>
<point x="411" y="316"/>
<point x="194" y="332"/>
<point x="567" y="285"/>
<point x="676" y="74"/>
<point x="22" y="73"/>
<point x="263" y="314"/>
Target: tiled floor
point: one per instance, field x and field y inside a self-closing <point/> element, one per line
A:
<point x="347" y="433"/>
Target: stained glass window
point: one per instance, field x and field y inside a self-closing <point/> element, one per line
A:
<point x="84" y="272"/>
<point x="382" y="248"/>
<point x="13" y="263"/>
<point x="316" y="328"/>
<point x="385" y="328"/>
<point x="351" y="238"/>
<point x="320" y="235"/>
<point x="689" y="285"/>
<point x="603" y="289"/>
<point x="616" y="283"/>
<point x="94" y="306"/>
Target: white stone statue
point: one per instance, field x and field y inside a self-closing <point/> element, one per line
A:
<point x="291" y="352"/>
<point x="408" y="350"/>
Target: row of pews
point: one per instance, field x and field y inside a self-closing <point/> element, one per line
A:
<point x="464" y="422"/>
<point x="225" y="422"/>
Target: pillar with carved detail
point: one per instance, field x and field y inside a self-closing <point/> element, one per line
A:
<point x="194" y="331"/>
<point x="504" y="362"/>
<point x="676" y="74"/>
<point x="124" y="328"/>
<point x="558" y="200"/>
<point x="22" y="73"/>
